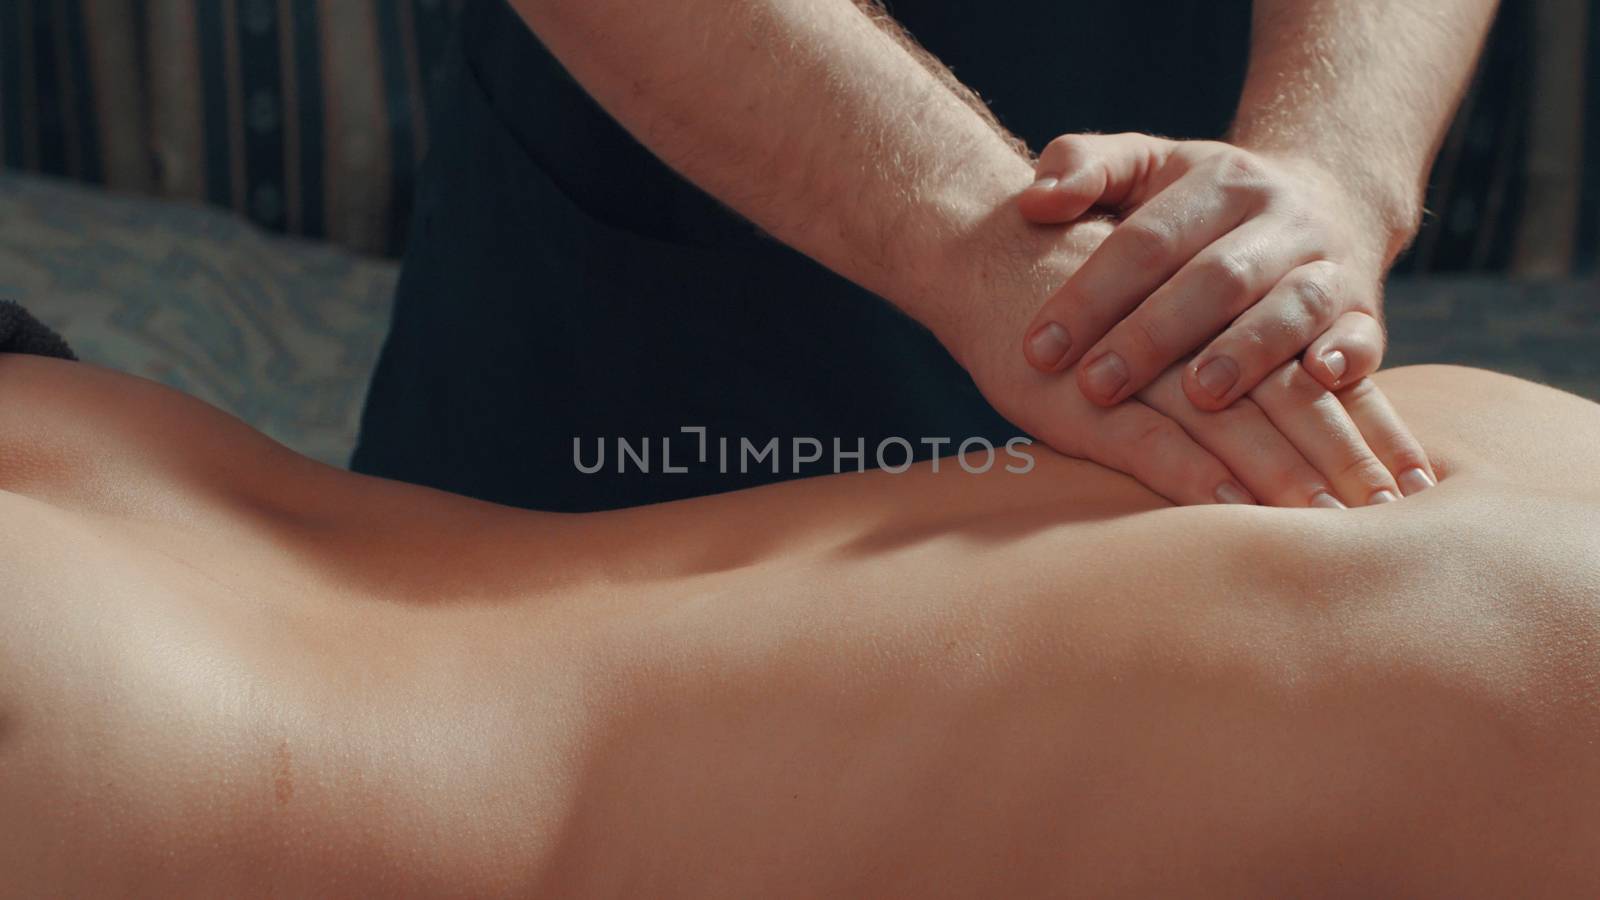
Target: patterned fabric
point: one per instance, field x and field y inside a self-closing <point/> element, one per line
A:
<point x="280" y="332"/>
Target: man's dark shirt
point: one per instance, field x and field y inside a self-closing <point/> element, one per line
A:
<point x="562" y="283"/>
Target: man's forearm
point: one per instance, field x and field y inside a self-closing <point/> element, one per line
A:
<point x="1364" y="88"/>
<point x="813" y="121"/>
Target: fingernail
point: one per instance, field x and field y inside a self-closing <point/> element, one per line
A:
<point x="1218" y="376"/>
<point x="1414" y="481"/>
<point x="1045" y="183"/>
<point x="1325" y="500"/>
<point x="1107" y="375"/>
<point x="1228" y="492"/>
<point x="1048" y="344"/>
<point x="1382" y="497"/>
<point x="1336" y="364"/>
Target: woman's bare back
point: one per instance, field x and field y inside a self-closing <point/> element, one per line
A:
<point x="224" y="667"/>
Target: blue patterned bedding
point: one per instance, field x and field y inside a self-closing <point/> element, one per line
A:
<point x="280" y="332"/>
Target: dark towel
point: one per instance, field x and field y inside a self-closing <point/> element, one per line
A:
<point x="20" y="332"/>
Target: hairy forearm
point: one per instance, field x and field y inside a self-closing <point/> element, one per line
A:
<point x="813" y="119"/>
<point x="1365" y="88"/>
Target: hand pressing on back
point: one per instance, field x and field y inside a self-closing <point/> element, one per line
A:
<point x="1248" y="271"/>
<point x="1293" y="442"/>
<point x="1257" y="260"/>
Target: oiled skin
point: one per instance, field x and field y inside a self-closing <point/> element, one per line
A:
<point x="227" y="670"/>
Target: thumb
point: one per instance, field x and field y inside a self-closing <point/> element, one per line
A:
<point x="1079" y="171"/>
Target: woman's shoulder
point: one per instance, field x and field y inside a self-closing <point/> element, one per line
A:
<point x="91" y="439"/>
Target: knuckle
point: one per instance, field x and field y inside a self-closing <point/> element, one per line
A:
<point x="1195" y="470"/>
<point x="1365" y="470"/>
<point x="1143" y="243"/>
<point x="1066" y="150"/>
<point x="1241" y="172"/>
<point x="1406" y="453"/>
<point x="1316" y="295"/>
<point x="1242" y="165"/>
<point x="1153" y="439"/>
<point x="1230" y="273"/>
<point x="1302" y="220"/>
<point x="1150" y="337"/>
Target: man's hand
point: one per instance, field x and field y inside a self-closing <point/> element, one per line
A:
<point x="1292" y="442"/>
<point x="1269" y="253"/>
<point x="840" y="138"/>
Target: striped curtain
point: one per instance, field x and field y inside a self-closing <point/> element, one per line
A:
<point x="308" y="116"/>
<point x="72" y="101"/>
<point x="311" y="116"/>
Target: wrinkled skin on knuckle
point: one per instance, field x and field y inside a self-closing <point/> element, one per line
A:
<point x="1243" y="175"/>
<point x="1148" y="336"/>
<point x="1366" y="471"/>
<point x="1301" y="219"/>
<point x="1230" y="275"/>
<point x="1405" y="453"/>
<point x="1154" y="437"/>
<point x="1317" y="297"/>
<point x="1142" y="244"/>
<point x="1149" y="448"/>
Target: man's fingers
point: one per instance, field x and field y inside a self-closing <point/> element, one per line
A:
<point x="1136" y="258"/>
<point x="1245" y="440"/>
<point x="1210" y="291"/>
<point x="1139" y="441"/>
<point x="1315" y="420"/>
<point x="1388" y="436"/>
<point x="1079" y="171"/>
<point x="1302" y="305"/>
<point x="1350" y="350"/>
